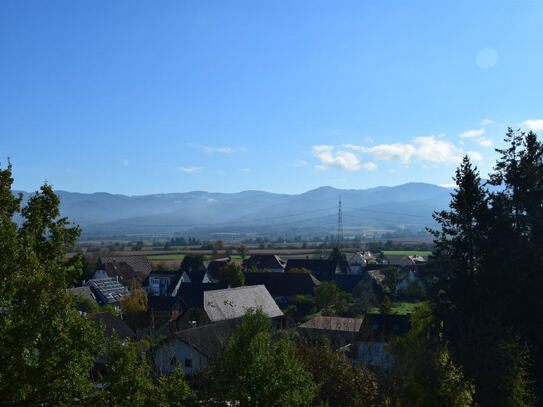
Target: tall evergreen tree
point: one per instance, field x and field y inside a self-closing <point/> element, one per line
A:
<point x="477" y="273"/>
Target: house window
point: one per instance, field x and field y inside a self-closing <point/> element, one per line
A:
<point x="173" y="361"/>
<point x="188" y="362"/>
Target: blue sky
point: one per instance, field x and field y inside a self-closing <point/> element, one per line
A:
<point x="139" y="97"/>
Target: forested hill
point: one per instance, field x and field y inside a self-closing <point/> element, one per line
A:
<point x="404" y="206"/>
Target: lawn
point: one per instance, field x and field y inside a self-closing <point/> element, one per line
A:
<point x="401" y="308"/>
<point x="165" y="256"/>
<point x="408" y="252"/>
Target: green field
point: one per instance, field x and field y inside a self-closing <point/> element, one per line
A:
<point x="408" y="252"/>
<point x="165" y="256"/>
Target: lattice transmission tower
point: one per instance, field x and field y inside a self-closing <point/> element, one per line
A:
<point x="339" y="225"/>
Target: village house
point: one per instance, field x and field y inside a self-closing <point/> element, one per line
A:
<point x="232" y="303"/>
<point x="161" y="284"/>
<point x="163" y="309"/>
<point x="124" y="268"/>
<point x="114" y="326"/>
<point x="281" y="286"/>
<point x="193" y="348"/>
<point x="82" y="292"/>
<point x="191" y="296"/>
<point x="376" y="332"/>
<point x="360" y="260"/>
<point x="213" y="268"/>
<point x="262" y="262"/>
<point x="322" y="269"/>
<point x="340" y="331"/>
<point x="108" y="291"/>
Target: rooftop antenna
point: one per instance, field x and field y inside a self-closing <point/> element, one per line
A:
<point x="339" y="225"/>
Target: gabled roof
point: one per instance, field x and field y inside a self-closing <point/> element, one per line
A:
<point x="321" y="268"/>
<point x="209" y="339"/>
<point x="347" y="282"/>
<point x="283" y="284"/>
<point x="192" y="294"/>
<point x="81" y="292"/>
<point x="265" y="261"/>
<point x="234" y="302"/>
<point x="162" y="302"/>
<point x="376" y="275"/>
<point x="114" y="324"/>
<point x="333" y="324"/>
<point x="383" y="327"/>
<point x="196" y="275"/>
<point x="215" y="265"/>
<point x="395" y="259"/>
<point x="364" y="255"/>
<point x="127" y="268"/>
<point x="108" y="290"/>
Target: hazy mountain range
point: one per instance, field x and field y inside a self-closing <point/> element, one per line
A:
<point x="407" y="207"/>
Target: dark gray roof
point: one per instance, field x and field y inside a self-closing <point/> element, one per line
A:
<point x="192" y="294"/>
<point x="395" y="259"/>
<point x="209" y="339"/>
<point x="283" y="284"/>
<point x="114" y="324"/>
<point x="234" y="302"/>
<point x="162" y="302"/>
<point x="214" y="267"/>
<point x="347" y="282"/>
<point x="197" y="275"/>
<point x="321" y="268"/>
<point x="265" y="261"/>
<point x="333" y="324"/>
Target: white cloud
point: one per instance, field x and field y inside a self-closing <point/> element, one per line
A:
<point x="472" y="133"/>
<point x="190" y="169"/>
<point x="221" y="172"/>
<point x="299" y="163"/>
<point x="125" y="162"/>
<point x="475" y="155"/>
<point x="388" y="152"/>
<point x="369" y="166"/>
<point x="221" y="150"/>
<point x="534" y="125"/>
<point x="321" y="167"/>
<point x="432" y="149"/>
<point x="483" y="141"/>
<point x="436" y="151"/>
<point x="336" y="159"/>
<point x="447" y="185"/>
<point x="486" y="122"/>
<point x="246" y="170"/>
